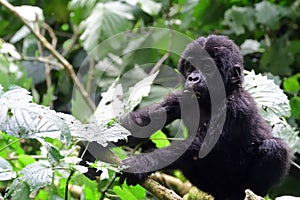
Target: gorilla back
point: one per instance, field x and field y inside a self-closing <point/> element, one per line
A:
<point x="245" y="154"/>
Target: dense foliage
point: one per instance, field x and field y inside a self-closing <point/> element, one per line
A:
<point x="116" y="52"/>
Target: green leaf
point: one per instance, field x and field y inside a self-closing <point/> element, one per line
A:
<point x="18" y="191"/>
<point x="272" y="61"/>
<point x="295" y="107"/>
<point x="292" y="84"/>
<point x="267" y="14"/>
<point x="160" y="139"/>
<point x="49" y="96"/>
<point x="294" y="46"/>
<point x="26" y="159"/>
<point x="6" y="171"/>
<point x="80" y="9"/>
<point x="106" y="20"/>
<point x="240" y="19"/>
<point x="130" y="192"/>
<point x="54" y="155"/>
<point x="124" y="193"/>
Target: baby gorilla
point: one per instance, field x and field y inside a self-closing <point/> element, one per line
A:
<point x="230" y="147"/>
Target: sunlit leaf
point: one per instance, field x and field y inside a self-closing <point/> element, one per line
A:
<point x="273" y="105"/>
<point x="160" y="139"/>
<point x="6" y="170"/>
<point x="140" y="90"/>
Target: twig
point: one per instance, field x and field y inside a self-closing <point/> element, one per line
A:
<point x="67" y="184"/>
<point x="90" y="76"/>
<point x="32" y="156"/>
<point x="43" y="60"/>
<point x="55" y="53"/>
<point x="51" y="33"/>
<point x="73" y="42"/>
<point x="107" y="187"/>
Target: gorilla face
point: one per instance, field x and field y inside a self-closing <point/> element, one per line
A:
<point x="206" y="58"/>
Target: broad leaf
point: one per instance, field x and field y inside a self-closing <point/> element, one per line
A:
<point x="240" y="19"/>
<point x="98" y="131"/>
<point x="148" y="6"/>
<point x="111" y="105"/>
<point x="267" y="94"/>
<point x="139" y="90"/>
<point x="160" y="139"/>
<point x="273" y="105"/>
<point x="106" y="20"/>
<point x="22" y="118"/>
<point x="36" y="175"/>
<point x="6" y="171"/>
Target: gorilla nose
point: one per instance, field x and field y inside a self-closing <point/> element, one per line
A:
<point x="192" y="79"/>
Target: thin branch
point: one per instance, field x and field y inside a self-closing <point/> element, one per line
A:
<point x="42" y="60"/>
<point x="51" y="33"/>
<point x="91" y="75"/>
<point x="32" y="156"/>
<point x="107" y="187"/>
<point x="73" y="42"/>
<point x="67" y="184"/>
<point x="55" y="53"/>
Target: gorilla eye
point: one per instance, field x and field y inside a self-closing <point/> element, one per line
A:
<point x="190" y="68"/>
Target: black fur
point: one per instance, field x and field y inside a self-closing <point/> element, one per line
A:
<point x="245" y="156"/>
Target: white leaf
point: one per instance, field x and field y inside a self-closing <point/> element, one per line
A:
<point x="72" y="160"/>
<point x="273" y="105"/>
<point x="267" y="94"/>
<point x="22" y="118"/>
<point x="37" y="175"/>
<point x="111" y="105"/>
<point x="81" y="169"/>
<point x="30" y="13"/>
<point x="6" y="170"/>
<point x="250" y="46"/>
<point x="106" y="20"/>
<point x="20" y="34"/>
<point x="140" y="90"/>
<point x="7" y="48"/>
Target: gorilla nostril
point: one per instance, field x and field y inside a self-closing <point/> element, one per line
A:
<point x="193" y="79"/>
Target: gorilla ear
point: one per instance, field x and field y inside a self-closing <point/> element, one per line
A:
<point x="235" y="74"/>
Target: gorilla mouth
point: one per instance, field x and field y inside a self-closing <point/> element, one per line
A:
<point x="193" y="93"/>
